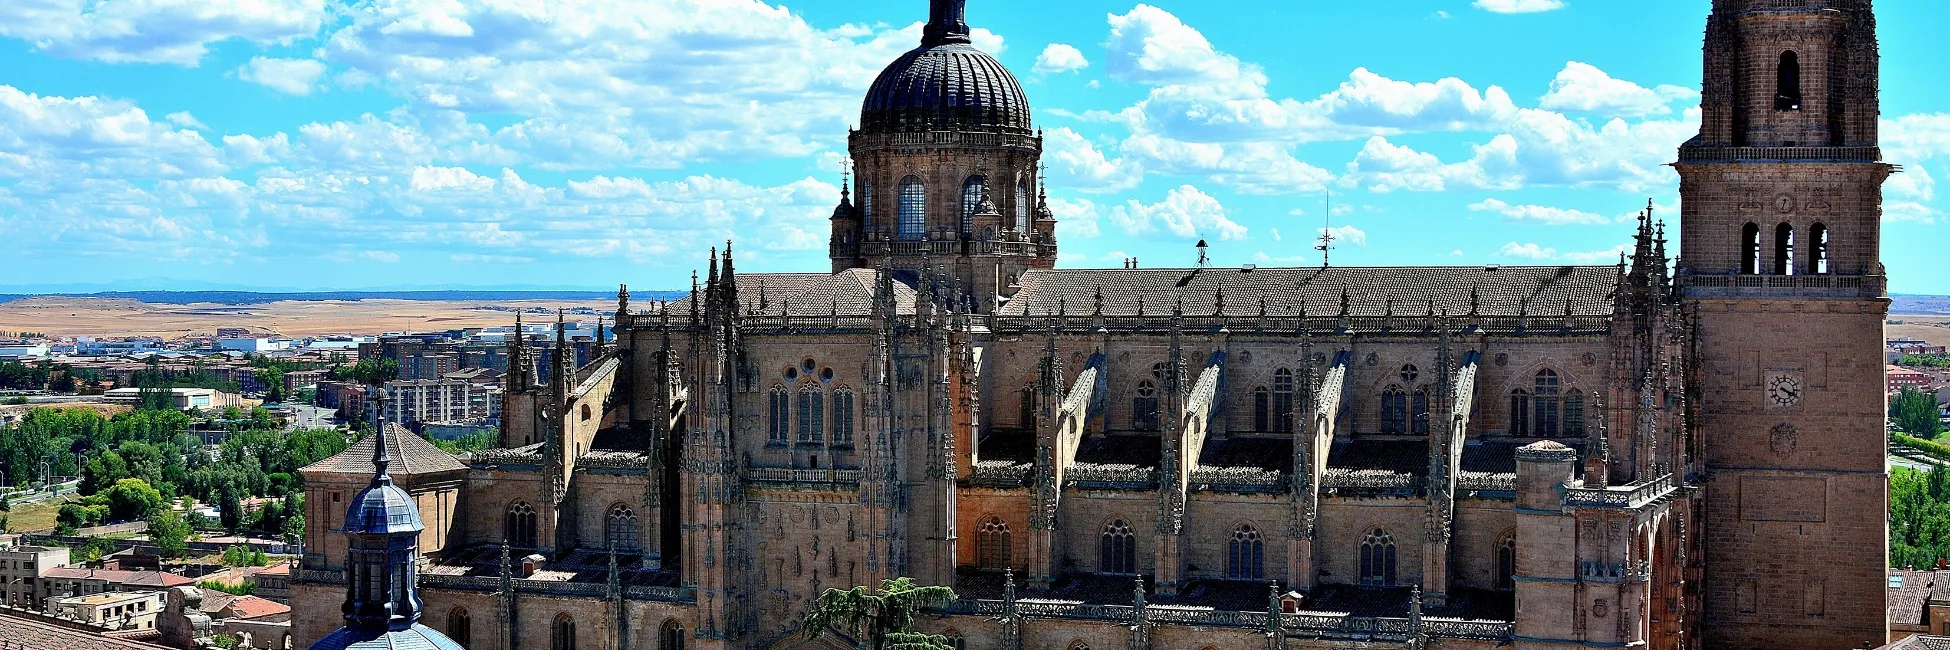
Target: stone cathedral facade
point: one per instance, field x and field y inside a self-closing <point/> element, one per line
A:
<point x="1669" y="452"/>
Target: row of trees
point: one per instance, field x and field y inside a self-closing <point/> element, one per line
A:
<point x="1915" y="412"/>
<point x="1924" y="361"/>
<point x="45" y="375"/>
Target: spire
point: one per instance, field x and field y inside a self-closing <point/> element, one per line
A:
<point x="381" y="458"/>
<point x="947" y="23"/>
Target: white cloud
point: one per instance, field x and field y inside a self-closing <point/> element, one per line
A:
<point x="1059" y="58"/>
<point x="1076" y="218"/>
<point x="1185" y="212"/>
<point x="1547" y="215"/>
<point x="1077" y="164"/>
<point x="1345" y="235"/>
<point x="1250" y="168"/>
<point x="1583" y="87"/>
<point x="1540" y="148"/>
<point x="155" y="31"/>
<point x="1607" y="256"/>
<point x="288" y="76"/>
<point x="1518" y="6"/>
<point x="1151" y="46"/>
<point x="1528" y="251"/>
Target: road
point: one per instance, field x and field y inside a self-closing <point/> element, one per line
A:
<point x="305" y="416"/>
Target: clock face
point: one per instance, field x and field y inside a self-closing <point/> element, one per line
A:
<point x="1784" y="389"/>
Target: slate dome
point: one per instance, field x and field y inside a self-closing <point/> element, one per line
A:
<point x="946" y="84"/>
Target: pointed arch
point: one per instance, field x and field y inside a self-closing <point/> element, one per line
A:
<point x="843" y="417"/>
<point x="1378" y="558"/>
<point x="672" y="635"/>
<point x="1544" y="396"/>
<point x="1144" y="406"/>
<point x="562" y="633"/>
<point x="1117" y="552"/>
<point x="1394" y="410"/>
<point x="992" y="544"/>
<point x="1283" y="400"/>
<point x="812" y="416"/>
<point x="460" y="626"/>
<point x="1519" y="412"/>
<point x="1418" y="411"/>
<point x="1506" y="561"/>
<point x="1246" y="554"/>
<point x="1026" y="409"/>
<point x="779" y="410"/>
<point x="518" y="525"/>
<point x="620" y="529"/>
<point x="1574" y="412"/>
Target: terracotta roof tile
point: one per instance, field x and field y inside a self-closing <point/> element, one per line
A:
<point x="30" y="634"/>
<point x="254" y="607"/>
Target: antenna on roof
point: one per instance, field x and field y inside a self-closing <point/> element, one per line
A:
<point x="1326" y="245"/>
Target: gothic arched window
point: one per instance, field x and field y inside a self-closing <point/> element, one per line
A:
<point x="1419" y="412"/>
<point x="1519" y="413"/>
<point x="620" y="532"/>
<point x="519" y="525"/>
<point x="1394" y="411"/>
<point x="1118" y="552"/>
<point x="1262" y="409"/>
<point x="460" y="626"/>
<point x="1378" y="559"/>
<point x="1784" y="249"/>
<point x="992" y="544"/>
<point x="843" y="416"/>
<point x="1574" y="412"/>
<point x="1506" y="562"/>
<point x="1283" y="400"/>
<point x="971" y="196"/>
<point x="780" y="410"/>
<point x="913" y="209"/>
<point x="1545" y="398"/>
<point x="1079" y="645"/>
<point x="1750" y="249"/>
<point x="562" y="634"/>
<point x="812" y="416"/>
<point x="1022" y="206"/>
<point x="1245" y="554"/>
<point x="673" y="636"/>
<point x="1144" y="407"/>
<point x="1818" y="249"/>
<point x="955" y="640"/>
<point x="1787" y="83"/>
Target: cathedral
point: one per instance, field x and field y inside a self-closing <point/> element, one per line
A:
<point x="1675" y="451"/>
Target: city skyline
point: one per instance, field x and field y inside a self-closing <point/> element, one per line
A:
<point x="306" y="144"/>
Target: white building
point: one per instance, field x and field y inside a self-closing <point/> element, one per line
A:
<point x="253" y="345"/>
<point x="12" y="350"/>
<point x="435" y="400"/>
<point x="21" y="570"/>
<point x="123" y="610"/>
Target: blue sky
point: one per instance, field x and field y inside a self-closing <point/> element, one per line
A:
<point x="331" y="144"/>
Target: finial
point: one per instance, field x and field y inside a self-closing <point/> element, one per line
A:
<point x="381" y="458"/>
<point x="947" y="23"/>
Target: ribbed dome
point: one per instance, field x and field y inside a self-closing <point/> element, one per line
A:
<point x="945" y="85"/>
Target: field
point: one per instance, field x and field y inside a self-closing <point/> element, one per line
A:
<point x="112" y="317"/>
<point x="1934" y="328"/>
<point x="35" y="516"/>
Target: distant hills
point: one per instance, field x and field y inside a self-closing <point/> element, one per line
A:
<point x="258" y="297"/>
<point x="1908" y="304"/>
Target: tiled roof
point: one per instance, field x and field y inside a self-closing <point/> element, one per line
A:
<point x="1245" y="596"/>
<point x="135" y="578"/>
<point x="848" y="292"/>
<point x="1909" y="602"/>
<point x="30" y="634"/>
<point x="411" y="455"/>
<point x="1921" y="642"/>
<point x="1499" y="291"/>
<point x="214" y="601"/>
<point x="254" y="607"/>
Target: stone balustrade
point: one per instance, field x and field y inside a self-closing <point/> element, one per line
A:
<point x="1631" y="496"/>
<point x="1319" y="624"/>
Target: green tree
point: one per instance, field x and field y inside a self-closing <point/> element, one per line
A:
<point x="1915" y="413"/>
<point x="169" y="533"/>
<point x="133" y="498"/>
<point x="230" y="510"/>
<point x="882" y="618"/>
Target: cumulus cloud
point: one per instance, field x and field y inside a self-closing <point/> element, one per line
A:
<point x="1584" y="87"/>
<point x="1185" y="212"/>
<point x="1538" y="148"/>
<point x="1345" y="235"/>
<point x="155" y="31"/>
<point x="288" y="76"/>
<point x="1518" y="6"/>
<point x="1059" y="58"/>
<point x="1152" y="46"/>
<point x="1546" y="215"/>
<point x="1078" y="164"/>
<point x="1528" y="251"/>
<point x="1074" y="218"/>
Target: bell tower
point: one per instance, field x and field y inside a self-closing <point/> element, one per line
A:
<point x="1780" y="237"/>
